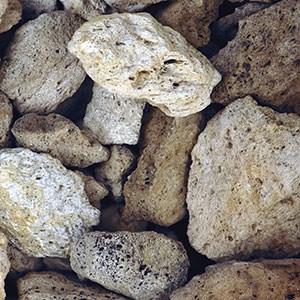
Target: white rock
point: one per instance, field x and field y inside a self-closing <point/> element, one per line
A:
<point x="6" y="116"/>
<point x="4" y="264"/>
<point x="131" y="5"/>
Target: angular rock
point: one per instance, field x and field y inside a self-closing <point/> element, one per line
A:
<point x="10" y="14"/>
<point x="43" y="206"/>
<point x="4" y="264"/>
<point x="141" y="266"/>
<point x="145" y="61"/>
<point x="6" y="116"/>
<point x="114" y="119"/>
<point x="250" y="66"/>
<point x="131" y="5"/>
<point x="243" y="191"/>
<point x="265" y="279"/>
<point x="58" y="136"/>
<point x="49" y="74"/>
<point x="33" y="8"/>
<point x="156" y="190"/>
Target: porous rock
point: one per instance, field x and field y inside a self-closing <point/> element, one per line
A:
<point x="33" y="8"/>
<point x="48" y="74"/>
<point x="130" y="263"/>
<point x="243" y="191"/>
<point x="136" y="57"/>
<point x="113" y="119"/>
<point x="60" y="137"/>
<point x="43" y="206"/>
<point x="6" y="115"/>
<point x="4" y="264"/>
<point x="251" y="67"/>
<point x="156" y="190"/>
<point x="131" y="5"/>
<point x="10" y="14"/>
<point x="265" y="279"/>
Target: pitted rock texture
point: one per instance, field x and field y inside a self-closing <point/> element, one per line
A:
<point x="43" y="206"/>
<point x="10" y="14"/>
<point x="136" y="57"/>
<point x="54" y="286"/>
<point x="4" y="264"/>
<point x="131" y="5"/>
<point x="60" y="137"/>
<point x="250" y="66"/>
<point x="156" y="190"/>
<point x="33" y="8"/>
<point x="48" y="74"/>
<point x="261" y="280"/>
<point x="243" y="191"/>
<point x="141" y="266"/>
<point x="6" y="116"/>
<point x="114" y="119"/>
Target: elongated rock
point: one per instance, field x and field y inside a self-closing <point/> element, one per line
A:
<point x="6" y="116"/>
<point x="4" y="264"/>
<point x="10" y="14"/>
<point x="131" y="5"/>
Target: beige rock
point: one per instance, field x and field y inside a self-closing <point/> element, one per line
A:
<point x="48" y="74"/>
<point x="6" y="116"/>
<point x="4" y="264"/>
<point x="156" y="190"/>
<point x="250" y="66"/>
<point x="58" y="136"/>
<point x="142" y="266"/>
<point x="145" y="61"/>
<point x="10" y="14"/>
<point x="243" y="191"/>
<point x="260" y="280"/>
<point x="33" y="8"/>
<point x="43" y="206"/>
<point x="57" y="264"/>
<point x="131" y="5"/>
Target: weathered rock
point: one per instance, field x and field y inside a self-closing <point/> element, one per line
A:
<point x="33" y="8"/>
<point x="250" y="66"/>
<point x="268" y="1"/>
<point x="57" y="264"/>
<point x="243" y="191"/>
<point x="141" y="266"/>
<point x="112" y="118"/>
<point x="6" y="115"/>
<point x="10" y="14"/>
<point x="48" y="74"/>
<point x="145" y="61"/>
<point x="4" y="264"/>
<point x="131" y="5"/>
<point x="266" y="279"/>
<point x="43" y="206"/>
<point x="156" y="190"/>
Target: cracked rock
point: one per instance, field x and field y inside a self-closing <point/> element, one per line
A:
<point x="6" y="116"/>
<point x="4" y="264"/>
<point x="10" y="14"/>
<point x="131" y="5"/>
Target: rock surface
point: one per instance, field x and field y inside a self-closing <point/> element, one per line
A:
<point x="48" y="74"/>
<point x="33" y="8"/>
<point x="131" y="5"/>
<point x="43" y="206"/>
<point x="4" y="264"/>
<point x="156" y="190"/>
<point x="10" y="14"/>
<point x="6" y="116"/>
<point x="243" y="191"/>
<point x="141" y="266"/>
<point x="250" y="66"/>
<point x="136" y="57"/>
<point x="261" y="280"/>
<point x="57" y="264"/>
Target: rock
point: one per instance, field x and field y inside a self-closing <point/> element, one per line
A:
<point x="243" y="191"/>
<point x="10" y="14"/>
<point x="145" y="61"/>
<point x="156" y="190"/>
<point x="131" y="5"/>
<point x="114" y="119"/>
<point x="265" y="279"/>
<point x="141" y="266"/>
<point x="33" y="8"/>
<point x="6" y="116"/>
<point x="43" y="206"/>
<point x="57" y="264"/>
<point x="191" y="18"/>
<point x="268" y="1"/>
<point x="48" y="74"/>
<point x="58" y="136"/>
<point x="250" y="66"/>
<point x="4" y="264"/>
<point x="51" y="285"/>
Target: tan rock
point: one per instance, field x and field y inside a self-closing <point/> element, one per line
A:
<point x="48" y="74"/>
<point x="33" y="8"/>
<point x="250" y="66"/>
<point x="4" y="264"/>
<point x="145" y="61"/>
<point x="10" y="14"/>
<point x="130" y="263"/>
<point x="260" y="280"/>
<point x="243" y="192"/>
<point x="131" y="5"/>
<point x="57" y="264"/>
<point x="6" y="116"/>
<point x="58" y="136"/>
<point x="156" y="190"/>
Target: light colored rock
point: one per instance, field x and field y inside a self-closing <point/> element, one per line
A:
<point x="136" y="57"/>
<point x="131" y="5"/>
<point x="112" y="118"/>
<point x="4" y="264"/>
<point x="6" y="116"/>
<point x="10" y="14"/>
<point x="58" y="136"/>
<point x="142" y="266"/>
<point x="57" y="264"/>
<point x="48" y="74"/>
<point x="43" y="206"/>
<point x="156" y="190"/>
<point x="251" y="67"/>
<point x="243" y="191"/>
<point x="33" y="8"/>
<point x="261" y="280"/>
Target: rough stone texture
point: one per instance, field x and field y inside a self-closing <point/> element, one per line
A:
<point x="54" y="286"/>
<point x="243" y="191"/>
<point x="57" y="264"/>
<point x="114" y="119"/>
<point x="4" y="264"/>
<point x="130" y="263"/>
<point x="156" y="190"/>
<point x="33" y="8"/>
<point x="10" y="14"/>
<point x="250" y="66"/>
<point x="6" y="115"/>
<point x="261" y="280"/>
<point x="113" y="172"/>
<point x="131" y="5"/>
<point x="43" y="206"/>
<point x="268" y="1"/>
<point x="48" y="74"/>
<point x="136" y="57"/>
<point x="60" y="137"/>
<point x="191" y="18"/>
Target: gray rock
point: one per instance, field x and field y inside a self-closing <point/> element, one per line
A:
<point x="131" y="5"/>
<point x="10" y="14"/>
<point x="33" y="8"/>
<point x="4" y="264"/>
<point x="6" y="116"/>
